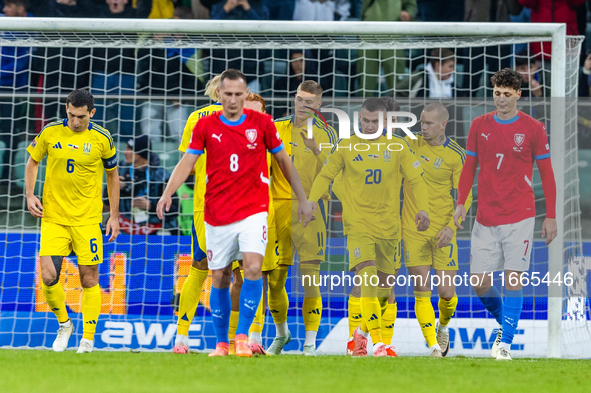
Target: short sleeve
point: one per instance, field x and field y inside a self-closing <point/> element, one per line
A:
<point x="541" y="147"/>
<point x="38" y="148"/>
<point x="410" y="167"/>
<point x="187" y="133"/>
<point x="197" y="142"/>
<point x="272" y="139"/>
<point x="109" y="156"/>
<point x="472" y="144"/>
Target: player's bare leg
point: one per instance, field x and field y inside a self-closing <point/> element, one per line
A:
<point x="56" y="299"/>
<point x="448" y="302"/>
<point x="235" y="288"/>
<point x="91" y="305"/>
<point x="312" y="305"/>
<point x="421" y="276"/>
<point x="189" y="301"/>
<point x="220" y="308"/>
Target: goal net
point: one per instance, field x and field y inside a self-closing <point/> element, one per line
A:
<point x="148" y="76"/>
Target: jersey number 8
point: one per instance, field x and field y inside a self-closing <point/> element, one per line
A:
<point x="234" y="162"/>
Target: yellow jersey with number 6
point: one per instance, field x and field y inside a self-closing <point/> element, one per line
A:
<point x="72" y="194"/>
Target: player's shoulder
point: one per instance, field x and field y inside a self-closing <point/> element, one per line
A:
<point x="52" y="127"/>
<point x="283" y="121"/>
<point x="456" y="150"/>
<point x="323" y="127"/>
<point x="532" y="122"/>
<point x="102" y="133"/>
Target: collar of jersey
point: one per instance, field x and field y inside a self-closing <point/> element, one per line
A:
<point x="446" y="141"/>
<point x="66" y="124"/>
<point x="510" y="121"/>
<point x="233" y="123"/>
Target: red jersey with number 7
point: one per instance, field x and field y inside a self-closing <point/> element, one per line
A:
<point x="237" y="184"/>
<point x="506" y="150"/>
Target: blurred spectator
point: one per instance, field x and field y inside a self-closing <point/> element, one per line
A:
<point x="162" y="73"/>
<point x="440" y="11"/>
<point x="585" y="78"/>
<point x="245" y="60"/>
<point x="328" y="10"/>
<point x="563" y="11"/>
<point x="435" y="81"/>
<point x="280" y="9"/>
<point x="287" y="86"/>
<point x="142" y="184"/>
<point x="202" y="8"/>
<point x="370" y="61"/>
<point x="528" y="68"/>
<point x="116" y="9"/>
<point x="15" y="65"/>
<point x="240" y="9"/>
<point x="68" y="9"/>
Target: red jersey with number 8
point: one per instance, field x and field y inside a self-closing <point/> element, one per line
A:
<point x="237" y="184"/>
<point x="506" y="150"/>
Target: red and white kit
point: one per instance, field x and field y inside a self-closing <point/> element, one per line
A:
<point x="237" y="194"/>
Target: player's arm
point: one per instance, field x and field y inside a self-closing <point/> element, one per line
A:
<point x="113" y="188"/>
<point x="542" y="157"/>
<point x="413" y="174"/>
<point x="333" y="166"/>
<point x="305" y="211"/>
<point x="33" y="203"/>
<point x="181" y="172"/>
<point x="467" y="176"/>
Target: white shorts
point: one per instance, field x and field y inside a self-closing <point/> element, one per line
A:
<point x="504" y="247"/>
<point x="226" y="243"/>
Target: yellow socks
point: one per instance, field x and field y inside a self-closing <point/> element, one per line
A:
<point x="370" y="305"/>
<point x="55" y="296"/>
<point x="91" y="309"/>
<point x="447" y="309"/>
<point x="278" y="300"/>
<point x="388" y="319"/>
<point x="233" y="325"/>
<point x="256" y="328"/>
<point x="190" y="294"/>
<point x="354" y="314"/>
<point x="312" y="305"/>
<point x="426" y="316"/>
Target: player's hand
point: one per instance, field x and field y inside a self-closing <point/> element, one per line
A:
<point x="536" y="88"/>
<point x="112" y="228"/>
<point x="549" y="229"/>
<point x="306" y="212"/>
<point x="230" y="5"/>
<point x="422" y="221"/>
<point x="244" y="4"/>
<point x="404" y="16"/>
<point x="35" y="206"/>
<point x="141" y="203"/>
<point x="445" y="235"/>
<point x="310" y="142"/>
<point x="163" y="204"/>
<point x="459" y="216"/>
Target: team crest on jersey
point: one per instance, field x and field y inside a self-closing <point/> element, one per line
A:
<point x="209" y="255"/>
<point x="86" y="148"/>
<point x="357" y="252"/>
<point x="437" y="163"/>
<point x="251" y="135"/>
<point x="519" y="138"/>
<point x="387" y="155"/>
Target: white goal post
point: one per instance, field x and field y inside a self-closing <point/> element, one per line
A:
<point x="208" y="34"/>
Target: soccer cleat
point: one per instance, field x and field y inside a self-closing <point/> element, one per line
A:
<point x="390" y="350"/>
<point x="380" y="351"/>
<point x="360" y="348"/>
<point x="443" y="340"/>
<point x="436" y="351"/>
<point x="241" y="346"/>
<point x="63" y="336"/>
<point x="350" y="347"/>
<point x="503" y="354"/>
<point x="86" y="346"/>
<point x="257" y="349"/>
<point x="221" y="349"/>
<point x="278" y="344"/>
<point x="495" y="348"/>
<point x="231" y="349"/>
<point x="181" y="345"/>
<point x="309" y="350"/>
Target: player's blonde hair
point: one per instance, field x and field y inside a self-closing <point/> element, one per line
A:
<point x="257" y="98"/>
<point x="211" y="88"/>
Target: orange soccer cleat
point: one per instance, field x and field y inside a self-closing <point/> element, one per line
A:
<point x="241" y="346"/>
<point x="350" y="347"/>
<point x="391" y="351"/>
<point x="257" y="349"/>
<point x="221" y="349"/>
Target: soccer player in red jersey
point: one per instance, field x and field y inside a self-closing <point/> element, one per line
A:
<point x="505" y="143"/>
<point x="236" y="201"/>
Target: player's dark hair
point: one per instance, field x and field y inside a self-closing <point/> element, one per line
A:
<point x="507" y="77"/>
<point x="440" y="56"/>
<point x="374" y="104"/>
<point x="232" y="75"/>
<point x="311" y="87"/>
<point x="24" y="3"/>
<point x="81" y="98"/>
<point x="183" y="13"/>
<point x="391" y="104"/>
<point x="522" y="59"/>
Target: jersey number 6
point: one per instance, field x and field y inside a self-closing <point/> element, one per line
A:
<point x="70" y="165"/>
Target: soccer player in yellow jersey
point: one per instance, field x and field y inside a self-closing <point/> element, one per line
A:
<point x="191" y="290"/>
<point x="442" y="160"/>
<point x="309" y="241"/>
<point x="370" y="196"/>
<point x="77" y="150"/>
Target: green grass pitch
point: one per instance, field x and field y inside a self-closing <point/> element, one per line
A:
<point x="126" y="372"/>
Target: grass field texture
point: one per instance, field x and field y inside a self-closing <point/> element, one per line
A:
<point x="34" y="370"/>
